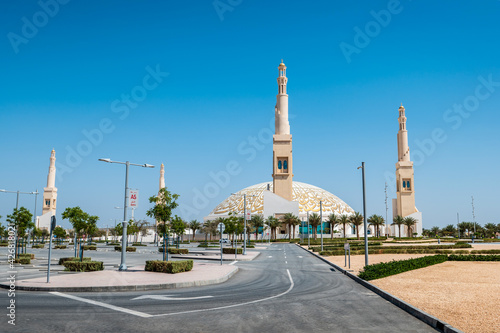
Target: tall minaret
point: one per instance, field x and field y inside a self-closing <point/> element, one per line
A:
<point x="282" y="141"/>
<point x="162" y="176"/>
<point x="405" y="187"/>
<point x="50" y="192"/>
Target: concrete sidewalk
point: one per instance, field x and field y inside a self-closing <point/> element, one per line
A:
<point x="133" y="279"/>
<point x="215" y="255"/>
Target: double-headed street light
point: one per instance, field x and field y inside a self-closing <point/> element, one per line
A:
<point x="245" y="220"/>
<point x="123" y="265"/>
<point x="17" y="202"/>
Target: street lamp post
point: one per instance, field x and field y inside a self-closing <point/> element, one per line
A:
<point x="244" y="220"/>
<point x="123" y="265"/>
<point x="362" y="167"/>
<point x="321" y="219"/>
<point x="308" y="238"/>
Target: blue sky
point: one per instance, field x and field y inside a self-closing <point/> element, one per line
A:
<point x="215" y="89"/>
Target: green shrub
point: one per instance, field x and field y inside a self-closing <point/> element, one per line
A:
<point x="4" y="244"/>
<point x="60" y="247"/>
<point x="208" y="245"/>
<point x="231" y="250"/>
<point x="473" y="257"/>
<point x="128" y="249"/>
<point x="83" y="266"/>
<point x="138" y="244"/>
<point x="485" y="252"/>
<point x="23" y="260"/>
<point x="377" y="271"/>
<point x="26" y="255"/>
<point x="114" y="244"/>
<point x="171" y="267"/>
<point x="63" y="260"/>
<point x="176" y="251"/>
<point x="38" y="246"/>
<point x="90" y="248"/>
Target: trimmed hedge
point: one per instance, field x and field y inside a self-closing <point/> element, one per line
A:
<point x="113" y="244"/>
<point x="23" y="260"/>
<point x="26" y="255"/>
<point x="377" y="271"/>
<point x="83" y="266"/>
<point x="38" y="246"/>
<point x="60" y="247"/>
<point x="128" y="249"/>
<point x="485" y="252"/>
<point x="231" y="250"/>
<point x="90" y="248"/>
<point x="63" y="260"/>
<point x="472" y="257"/>
<point x="176" y="251"/>
<point x="4" y="244"/>
<point x="139" y="244"/>
<point x="171" y="267"/>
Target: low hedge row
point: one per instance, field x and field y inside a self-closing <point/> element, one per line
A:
<point x="23" y="260"/>
<point x="389" y="250"/>
<point x="176" y="251"/>
<point x="60" y="247"/>
<point x="231" y="250"/>
<point x="128" y="249"/>
<point x="63" y="260"/>
<point x="138" y="244"/>
<point x="485" y="252"/>
<point x="26" y="255"/>
<point x="38" y="246"/>
<point x="171" y="267"/>
<point x="4" y="244"/>
<point x="90" y="248"/>
<point x="113" y="244"/>
<point x="472" y="257"/>
<point x="377" y="271"/>
<point x="83" y="266"/>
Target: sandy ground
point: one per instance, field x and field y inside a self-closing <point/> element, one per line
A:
<point x="466" y="295"/>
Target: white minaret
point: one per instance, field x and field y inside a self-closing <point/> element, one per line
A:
<point x="50" y="192"/>
<point x="162" y="176"/>
<point x="403" y="149"/>
<point x="282" y="141"/>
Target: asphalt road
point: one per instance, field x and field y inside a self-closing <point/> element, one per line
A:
<point x="284" y="290"/>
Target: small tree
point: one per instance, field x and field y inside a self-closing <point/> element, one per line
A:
<point x="22" y="219"/>
<point x="194" y="225"/>
<point x="409" y="222"/>
<point x="178" y="226"/>
<point x="399" y="221"/>
<point x="344" y="220"/>
<point x="289" y="219"/>
<point x="357" y="221"/>
<point x="334" y="221"/>
<point x="257" y="222"/>
<point x="376" y="221"/>
<point x="59" y="232"/>
<point x="314" y="221"/>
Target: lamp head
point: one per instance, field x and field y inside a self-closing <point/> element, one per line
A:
<point x="107" y="160"/>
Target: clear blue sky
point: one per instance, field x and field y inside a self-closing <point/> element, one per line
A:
<point x="71" y="74"/>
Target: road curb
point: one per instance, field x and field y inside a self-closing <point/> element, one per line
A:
<point x="187" y="284"/>
<point x="417" y="313"/>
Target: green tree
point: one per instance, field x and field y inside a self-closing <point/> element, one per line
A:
<point x="357" y="221"/>
<point x="273" y="223"/>
<point x="344" y="220"/>
<point x="178" y="226"/>
<point x="257" y="222"/>
<point x="59" y="232"/>
<point x="230" y="224"/>
<point x="77" y="217"/>
<point x="210" y="228"/>
<point x="164" y="204"/>
<point x="194" y="225"/>
<point x="435" y="231"/>
<point x="490" y="229"/>
<point x="22" y="219"/>
<point x="314" y="221"/>
<point x="289" y="219"/>
<point x="399" y="221"/>
<point x="334" y="220"/>
<point x="409" y="222"/>
<point x="449" y="230"/>
<point x="142" y="228"/>
<point x="376" y="221"/>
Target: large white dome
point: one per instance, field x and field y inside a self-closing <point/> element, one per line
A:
<point x="307" y="195"/>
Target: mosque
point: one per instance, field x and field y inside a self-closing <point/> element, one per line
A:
<point x="283" y="195"/>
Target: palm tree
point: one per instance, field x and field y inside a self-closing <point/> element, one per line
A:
<point x="376" y="221"/>
<point x="344" y="219"/>
<point x="289" y="220"/>
<point x="194" y="225"/>
<point x="273" y="223"/>
<point x="356" y="220"/>
<point x="333" y="220"/>
<point x="314" y="221"/>
<point x="409" y="222"/>
<point x="216" y="222"/>
<point x="296" y="222"/>
<point x="435" y="231"/>
<point x="257" y="222"/>
<point x="398" y="220"/>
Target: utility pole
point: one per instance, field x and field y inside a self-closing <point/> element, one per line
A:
<point x="386" y="209"/>
<point x="473" y="218"/>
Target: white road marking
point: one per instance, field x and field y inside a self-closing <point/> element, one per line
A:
<point x="269" y="256"/>
<point x="301" y="257"/>
<point x="234" y="305"/>
<point x="169" y="297"/>
<point x="104" y="305"/>
<point x="286" y="262"/>
<point x="234" y="262"/>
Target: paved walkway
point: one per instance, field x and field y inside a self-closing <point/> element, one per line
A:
<point x="133" y="279"/>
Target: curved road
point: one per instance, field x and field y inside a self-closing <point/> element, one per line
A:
<point x="284" y="290"/>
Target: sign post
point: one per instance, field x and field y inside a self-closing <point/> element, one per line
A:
<point x="52" y="226"/>
<point x="221" y="227"/>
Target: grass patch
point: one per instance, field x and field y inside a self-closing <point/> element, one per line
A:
<point x="381" y="270"/>
<point x="170" y="267"/>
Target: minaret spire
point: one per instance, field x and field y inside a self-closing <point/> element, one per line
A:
<point x="282" y="140"/>
<point x="50" y="192"/>
<point x="162" y="176"/>
<point x="403" y="149"/>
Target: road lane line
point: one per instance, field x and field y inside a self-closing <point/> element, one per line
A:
<point x="234" y="305"/>
<point x="104" y="305"/>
